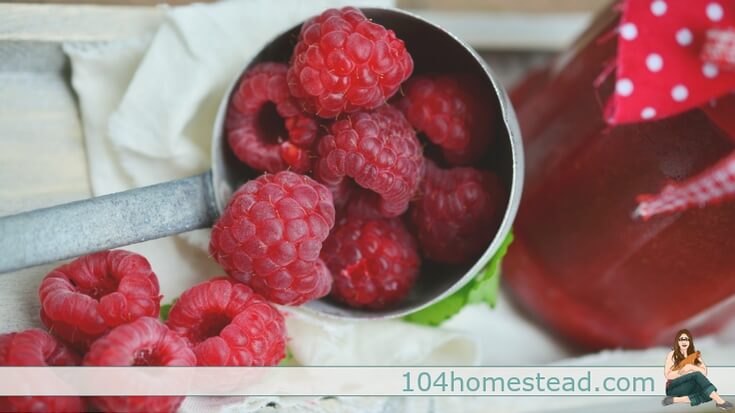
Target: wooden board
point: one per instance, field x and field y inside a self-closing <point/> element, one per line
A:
<point x="53" y="22"/>
<point x="42" y="158"/>
<point x="484" y="28"/>
<point x="533" y="6"/>
<point x="512" y="6"/>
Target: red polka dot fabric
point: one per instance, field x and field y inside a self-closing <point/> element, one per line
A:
<point x="661" y="68"/>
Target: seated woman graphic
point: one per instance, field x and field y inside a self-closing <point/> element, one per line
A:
<point x="685" y="373"/>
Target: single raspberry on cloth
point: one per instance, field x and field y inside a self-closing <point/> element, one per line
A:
<point x="343" y="62"/>
<point x="229" y="325"/>
<point x="379" y="150"/>
<point x="451" y="111"/>
<point x="144" y="342"/>
<point x="270" y="236"/>
<point x="457" y="212"/>
<point x="265" y="126"/>
<point x="36" y="347"/>
<point x="83" y="299"/>
<point x="374" y="261"/>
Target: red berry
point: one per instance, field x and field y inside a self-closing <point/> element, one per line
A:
<point x="374" y="261"/>
<point x="83" y="299"/>
<point x="36" y="347"/>
<point x="265" y="126"/>
<point x="144" y="342"/>
<point x="364" y="204"/>
<point x="452" y="113"/>
<point x="270" y="236"/>
<point x="380" y="151"/>
<point x="457" y="213"/>
<point x="343" y="62"/>
<point x="229" y="325"/>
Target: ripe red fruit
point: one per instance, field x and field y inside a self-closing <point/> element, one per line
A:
<point x="380" y="151"/>
<point x="457" y="212"/>
<point x="343" y="62"/>
<point x="144" y="342"/>
<point x="83" y="299"/>
<point x="374" y="261"/>
<point x="229" y="325"/>
<point x="265" y="127"/>
<point x="451" y="111"/>
<point x="36" y="347"/>
<point x="270" y="236"/>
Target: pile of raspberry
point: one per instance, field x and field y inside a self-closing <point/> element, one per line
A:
<point x="368" y="173"/>
<point x="103" y="310"/>
<point x="366" y="169"/>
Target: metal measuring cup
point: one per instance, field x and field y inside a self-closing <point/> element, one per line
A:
<point x="77" y="228"/>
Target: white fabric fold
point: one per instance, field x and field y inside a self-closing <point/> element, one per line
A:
<point x="377" y="342"/>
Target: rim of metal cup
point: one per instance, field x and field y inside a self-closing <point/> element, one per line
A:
<point x="223" y="178"/>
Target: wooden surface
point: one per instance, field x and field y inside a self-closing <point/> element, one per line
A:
<point x="485" y="28"/>
<point x="532" y="6"/>
<point x="113" y="2"/>
<point x="513" y="6"/>
<point x="53" y="22"/>
<point x="42" y="158"/>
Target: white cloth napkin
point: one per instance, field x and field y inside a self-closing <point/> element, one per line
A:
<point x="148" y="107"/>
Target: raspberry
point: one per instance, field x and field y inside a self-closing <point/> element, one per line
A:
<point x="229" y="325"/>
<point x="341" y="192"/>
<point x="374" y="261"/>
<point x="144" y="342"/>
<point x="380" y="151"/>
<point x="449" y="110"/>
<point x="35" y="347"/>
<point x="344" y="63"/>
<point x="457" y="213"/>
<point x="363" y="204"/>
<point x="270" y="236"/>
<point x="83" y="299"/>
<point x="265" y="127"/>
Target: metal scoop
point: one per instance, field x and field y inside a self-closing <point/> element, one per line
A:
<point x="78" y="228"/>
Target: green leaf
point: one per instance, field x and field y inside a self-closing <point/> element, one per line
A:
<point x="485" y="291"/>
<point x="439" y="312"/>
<point x="482" y="289"/>
<point x="165" y="309"/>
<point x="287" y="359"/>
<point x="486" y="285"/>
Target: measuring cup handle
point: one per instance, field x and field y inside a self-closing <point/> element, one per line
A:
<point x="77" y="228"/>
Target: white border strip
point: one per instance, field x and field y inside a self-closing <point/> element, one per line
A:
<point x="345" y="381"/>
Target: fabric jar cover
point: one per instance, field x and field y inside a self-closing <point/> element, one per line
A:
<point x="673" y="56"/>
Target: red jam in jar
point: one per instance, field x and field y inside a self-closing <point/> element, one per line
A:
<point x="580" y="262"/>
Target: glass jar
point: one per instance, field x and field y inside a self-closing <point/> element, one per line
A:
<point x="580" y="262"/>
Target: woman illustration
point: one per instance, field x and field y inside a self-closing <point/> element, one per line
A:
<point x="685" y="373"/>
